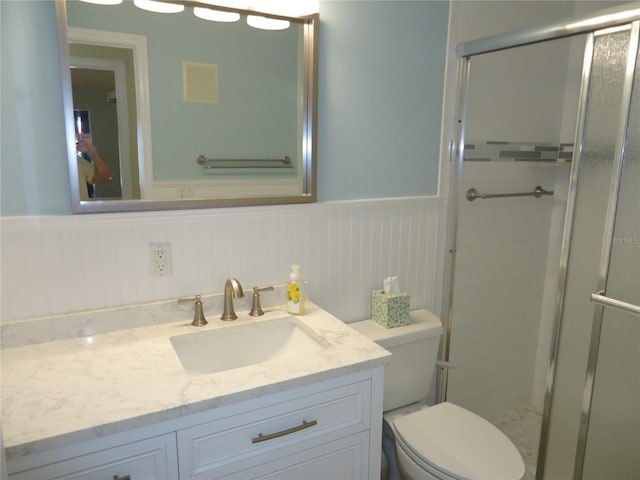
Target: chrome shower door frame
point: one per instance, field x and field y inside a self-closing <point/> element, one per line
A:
<point x="599" y="298"/>
<point x="452" y="228"/>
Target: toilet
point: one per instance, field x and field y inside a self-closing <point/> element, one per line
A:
<point x="440" y="442"/>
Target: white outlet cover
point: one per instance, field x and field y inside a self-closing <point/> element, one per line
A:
<point x="160" y="255"/>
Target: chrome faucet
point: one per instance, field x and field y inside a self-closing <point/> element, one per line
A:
<point x="232" y="289"/>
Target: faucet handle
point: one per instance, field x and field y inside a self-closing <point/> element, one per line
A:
<point x="198" y="315"/>
<point x="256" y="308"/>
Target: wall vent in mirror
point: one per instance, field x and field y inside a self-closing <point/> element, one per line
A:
<point x="200" y="82"/>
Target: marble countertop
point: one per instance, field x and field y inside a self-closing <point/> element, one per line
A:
<point x="68" y="391"/>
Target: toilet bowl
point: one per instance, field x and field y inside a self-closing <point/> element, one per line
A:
<point x="446" y="441"/>
<point x="440" y="442"/>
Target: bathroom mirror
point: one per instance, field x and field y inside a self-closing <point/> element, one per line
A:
<point x="186" y="112"/>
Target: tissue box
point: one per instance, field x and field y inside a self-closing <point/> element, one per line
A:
<point x="390" y="310"/>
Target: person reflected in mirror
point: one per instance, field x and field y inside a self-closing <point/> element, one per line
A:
<point x="96" y="171"/>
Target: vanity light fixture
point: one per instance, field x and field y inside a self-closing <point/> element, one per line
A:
<point x="265" y="23"/>
<point x="158" y="7"/>
<point x="103" y="2"/>
<point x="215" y="15"/>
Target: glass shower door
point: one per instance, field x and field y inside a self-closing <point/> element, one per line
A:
<point x="611" y="428"/>
<point x="605" y="67"/>
<point x="595" y="407"/>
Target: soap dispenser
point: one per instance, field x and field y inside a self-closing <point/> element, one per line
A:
<point x="296" y="294"/>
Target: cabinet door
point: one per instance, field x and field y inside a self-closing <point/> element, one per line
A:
<point x="344" y="459"/>
<point x="151" y="459"/>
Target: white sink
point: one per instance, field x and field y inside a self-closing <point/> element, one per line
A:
<point x="238" y="346"/>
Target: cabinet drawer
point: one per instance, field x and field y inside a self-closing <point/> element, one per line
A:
<point x="343" y="459"/>
<point x="151" y="459"/>
<point x="292" y="425"/>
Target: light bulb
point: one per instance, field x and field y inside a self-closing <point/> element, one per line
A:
<point x="158" y="7"/>
<point x="287" y="8"/>
<point x="103" y="2"/>
<point x="264" y="23"/>
<point x="215" y="15"/>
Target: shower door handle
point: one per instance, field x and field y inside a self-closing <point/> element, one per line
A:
<point x="601" y="299"/>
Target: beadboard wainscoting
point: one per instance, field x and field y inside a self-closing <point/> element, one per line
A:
<point x="53" y="265"/>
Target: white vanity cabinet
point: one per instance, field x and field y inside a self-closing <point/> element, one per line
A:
<point x="329" y="429"/>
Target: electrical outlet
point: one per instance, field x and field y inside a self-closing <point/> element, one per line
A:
<point x="186" y="192"/>
<point x="160" y="259"/>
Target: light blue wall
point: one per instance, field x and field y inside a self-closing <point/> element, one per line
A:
<point x="33" y="164"/>
<point x="380" y="96"/>
<point x="381" y="88"/>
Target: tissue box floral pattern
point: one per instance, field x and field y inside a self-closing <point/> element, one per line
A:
<point x="390" y="310"/>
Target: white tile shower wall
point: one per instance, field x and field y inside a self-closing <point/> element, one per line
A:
<point x="521" y="92"/>
<point x="59" y="264"/>
<point x="501" y="268"/>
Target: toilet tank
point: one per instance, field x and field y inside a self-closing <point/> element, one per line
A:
<point x="414" y="349"/>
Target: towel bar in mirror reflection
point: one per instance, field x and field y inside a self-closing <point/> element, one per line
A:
<point x="210" y="163"/>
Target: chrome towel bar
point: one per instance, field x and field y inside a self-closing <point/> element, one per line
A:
<point x="472" y="194"/>
<point x="612" y="302"/>
<point x="284" y="162"/>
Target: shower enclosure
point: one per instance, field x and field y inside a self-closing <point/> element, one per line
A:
<point x="542" y="312"/>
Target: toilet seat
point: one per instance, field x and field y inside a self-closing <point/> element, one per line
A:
<point x="458" y="443"/>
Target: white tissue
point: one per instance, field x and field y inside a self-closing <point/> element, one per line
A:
<point x="391" y="286"/>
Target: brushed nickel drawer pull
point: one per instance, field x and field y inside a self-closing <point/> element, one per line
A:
<point x="288" y="431"/>
<point x="126" y="477"/>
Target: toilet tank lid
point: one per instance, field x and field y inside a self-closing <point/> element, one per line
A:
<point x="422" y="324"/>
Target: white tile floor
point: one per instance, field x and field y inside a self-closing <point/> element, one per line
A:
<point x="522" y="426"/>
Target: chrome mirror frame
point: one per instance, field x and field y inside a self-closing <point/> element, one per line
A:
<point x="309" y="133"/>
